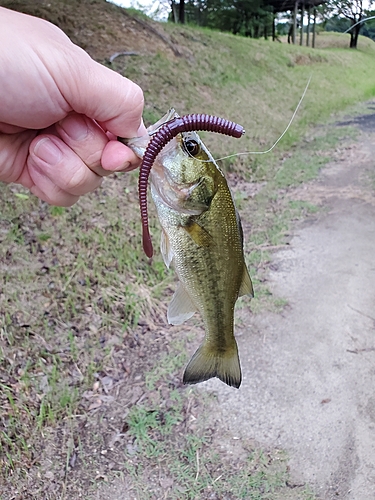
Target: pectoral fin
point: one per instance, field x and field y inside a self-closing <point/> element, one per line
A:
<point x="198" y="234"/>
<point x="246" y="287"/>
<point x="165" y="249"/>
<point x="181" y="307"/>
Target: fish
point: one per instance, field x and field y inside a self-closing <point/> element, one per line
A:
<point x="202" y="238"/>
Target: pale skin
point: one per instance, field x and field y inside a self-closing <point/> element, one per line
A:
<point x="60" y="112"/>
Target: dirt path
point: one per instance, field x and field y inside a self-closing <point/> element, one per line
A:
<point x="309" y="373"/>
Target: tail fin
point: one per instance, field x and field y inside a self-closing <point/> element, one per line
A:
<point x="208" y="363"/>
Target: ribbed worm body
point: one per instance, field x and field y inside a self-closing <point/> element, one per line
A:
<point x="187" y="123"/>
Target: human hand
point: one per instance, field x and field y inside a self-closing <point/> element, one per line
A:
<point x="60" y="112"/>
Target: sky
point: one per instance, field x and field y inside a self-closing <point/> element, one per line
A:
<point x="148" y="6"/>
<point x="125" y="3"/>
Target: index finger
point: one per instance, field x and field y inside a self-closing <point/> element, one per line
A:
<point x="105" y="96"/>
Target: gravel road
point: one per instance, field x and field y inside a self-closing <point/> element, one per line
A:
<point x="309" y="372"/>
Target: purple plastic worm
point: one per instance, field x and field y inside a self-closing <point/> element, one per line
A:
<point x="170" y="129"/>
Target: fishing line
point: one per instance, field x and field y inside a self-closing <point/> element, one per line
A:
<point x="359" y="22"/>
<point x="281" y="136"/>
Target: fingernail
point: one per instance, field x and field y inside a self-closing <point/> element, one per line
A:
<point x="75" y="127"/>
<point x="142" y="130"/>
<point x="47" y="151"/>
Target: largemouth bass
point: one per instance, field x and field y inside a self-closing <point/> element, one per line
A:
<point x="202" y="237"/>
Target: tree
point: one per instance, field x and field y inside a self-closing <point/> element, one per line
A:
<point x="243" y="17"/>
<point x="181" y="12"/>
<point x="369" y="26"/>
<point x="353" y="10"/>
<point x="177" y="14"/>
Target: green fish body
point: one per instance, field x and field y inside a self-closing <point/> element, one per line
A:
<point x="202" y="238"/>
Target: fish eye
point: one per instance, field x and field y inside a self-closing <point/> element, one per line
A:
<point x="192" y="147"/>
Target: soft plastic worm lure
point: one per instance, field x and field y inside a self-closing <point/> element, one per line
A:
<point x="187" y="123"/>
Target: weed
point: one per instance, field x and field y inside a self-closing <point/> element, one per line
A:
<point x="168" y="364"/>
<point x="169" y="442"/>
<point x="82" y="311"/>
<point x="57" y="211"/>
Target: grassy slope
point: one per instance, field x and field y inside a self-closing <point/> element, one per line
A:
<point x="82" y="311"/>
<point x="254" y="82"/>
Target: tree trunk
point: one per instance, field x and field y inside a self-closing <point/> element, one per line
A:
<point x="302" y="16"/>
<point x="290" y="33"/>
<point x="354" y="33"/>
<point x="181" y="14"/>
<point x="174" y="12"/>
<point x="308" y="27"/>
<point x="294" y="32"/>
<point x="314" y="30"/>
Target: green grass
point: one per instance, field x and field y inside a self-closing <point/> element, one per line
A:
<point x="73" y="287"/>
<point x="305" y="164"/>
<point x="257" y="83"/>
<point x="80" y="302"/>
<point x="169" y="440"/>
<point x="272" y="211"/>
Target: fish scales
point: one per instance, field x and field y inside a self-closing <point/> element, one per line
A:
<point x="211" y="280"/>
<point x="202" y="237"/>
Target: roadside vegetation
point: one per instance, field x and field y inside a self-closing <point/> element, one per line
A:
<point x="90" y="373"/>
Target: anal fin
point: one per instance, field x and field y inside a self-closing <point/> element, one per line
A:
<point x="181" y="307"/>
